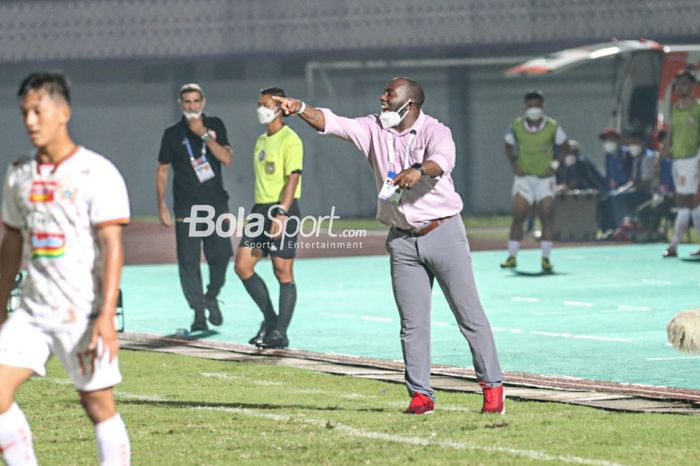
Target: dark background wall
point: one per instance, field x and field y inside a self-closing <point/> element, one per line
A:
<point x="127" y="59"/>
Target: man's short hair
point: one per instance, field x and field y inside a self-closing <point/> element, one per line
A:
<point x="276" y="91"/>
<point x="534" y="94"/>
<point x="53" y="82"/>
<point x="191" y="87"/>
<point x="414" y="90"/>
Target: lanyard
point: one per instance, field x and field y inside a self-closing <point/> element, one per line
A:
<point x="189" y="148"/>
<point x="390" y="149"/>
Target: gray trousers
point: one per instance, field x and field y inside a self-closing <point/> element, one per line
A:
<point x="415" y="263"/>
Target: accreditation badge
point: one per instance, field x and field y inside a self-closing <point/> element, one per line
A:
<point x="390" y="192"/>
<point x="203" y="169"/>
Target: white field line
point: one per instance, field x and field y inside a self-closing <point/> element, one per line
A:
<point x="562" y="335"/>
<point x="375" y="319"/>
<point x="620" y="308"/>
<point x="654" y="281"/>
<point x="361" y="433"/>
<point x="523" y="299"/>
<point x="137" y="397"/>
<point x="418" y="441"/>
<point x="302" y="391"/>
<point x="673" y="358"/>
<point x="508" y="330"/>
<point x="358" y="317"/>
<point x="581" y="337"/>
<point x="221" y="376"/>
<point x="628" y="308"/>
<point x="266" y="383"/>
<point x="578" y="304"/>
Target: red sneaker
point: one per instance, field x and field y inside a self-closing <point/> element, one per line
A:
<point x="420" y="404"/>
<point x="494" y="399"/>
<point x="671" y="251"/>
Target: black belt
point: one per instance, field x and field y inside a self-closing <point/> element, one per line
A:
<point x="426" y="229"/>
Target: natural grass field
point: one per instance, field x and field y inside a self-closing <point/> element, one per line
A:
<point x="187" y="411"/>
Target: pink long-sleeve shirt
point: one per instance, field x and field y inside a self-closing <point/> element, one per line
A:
<point x="431" y="198"/>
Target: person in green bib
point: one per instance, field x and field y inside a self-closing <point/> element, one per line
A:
<point x="277" y="161"/>
<point x="531" y="141"/>
<point x="683" y="147"/>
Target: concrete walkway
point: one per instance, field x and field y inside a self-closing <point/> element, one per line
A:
<point x="603" y="395"/>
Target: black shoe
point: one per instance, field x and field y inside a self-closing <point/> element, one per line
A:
<point x="200" y="322"/>
<point x="258" y="338"/>
<point x="265" y="328"/>
<point x="274" y="339"/>
<point x="215" y="315"/>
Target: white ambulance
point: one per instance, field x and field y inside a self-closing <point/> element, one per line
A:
<point x="644" y="78"/>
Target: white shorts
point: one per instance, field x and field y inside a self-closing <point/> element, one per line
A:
<point x="25" y="344"/>
<point x="534" y="188"/>
<point x="686" y="175"/>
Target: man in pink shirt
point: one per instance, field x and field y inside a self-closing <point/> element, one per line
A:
<point x="412" y="155"/>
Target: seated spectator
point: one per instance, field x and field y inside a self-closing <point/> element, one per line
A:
<point x="622" y="202"/>
<point x="618" y="164"/>
<point x="644" y="165"/>
<point x="578" y="172"/>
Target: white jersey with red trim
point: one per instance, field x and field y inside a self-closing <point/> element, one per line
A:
<point x="58" y="209"/>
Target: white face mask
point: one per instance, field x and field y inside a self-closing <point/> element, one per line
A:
<point x="533" y="113"/>
<point x="191" y="115"/>
<point x="609" y="147"/>
<point x="266" y="115"/>
<point x="635" y="149"/>
<point x="569" y="160"/>
<point x="391" y="118"/>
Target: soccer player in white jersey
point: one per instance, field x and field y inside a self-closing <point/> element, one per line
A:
<point x="63" y="213"/>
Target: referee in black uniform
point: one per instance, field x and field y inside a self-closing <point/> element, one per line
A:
<point x="196" y="147"/>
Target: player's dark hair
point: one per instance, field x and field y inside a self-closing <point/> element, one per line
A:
<point x="276" y="91"/>
<point x="54" y="83"/>
<point x="534" y="94"/>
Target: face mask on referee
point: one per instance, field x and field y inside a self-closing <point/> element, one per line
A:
<point x="266" y="115"/>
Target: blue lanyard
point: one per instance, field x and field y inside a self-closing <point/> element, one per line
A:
<point x="189" y="149"/>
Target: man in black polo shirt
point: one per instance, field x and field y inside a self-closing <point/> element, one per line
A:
<point x="196" y="147"/>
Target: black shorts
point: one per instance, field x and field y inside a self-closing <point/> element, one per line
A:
<point x="285" y="246"/>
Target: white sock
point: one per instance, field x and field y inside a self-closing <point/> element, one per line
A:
<point x="513" y="247"/>
<point x="16" y="438"/>
<point x="681" y="225"/>
<point x="695" y="213"/>
<point x="546" y="248"/>
<point x="113" y="442"/>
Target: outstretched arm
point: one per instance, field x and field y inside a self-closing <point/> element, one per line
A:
<point x="311" y="115"/>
